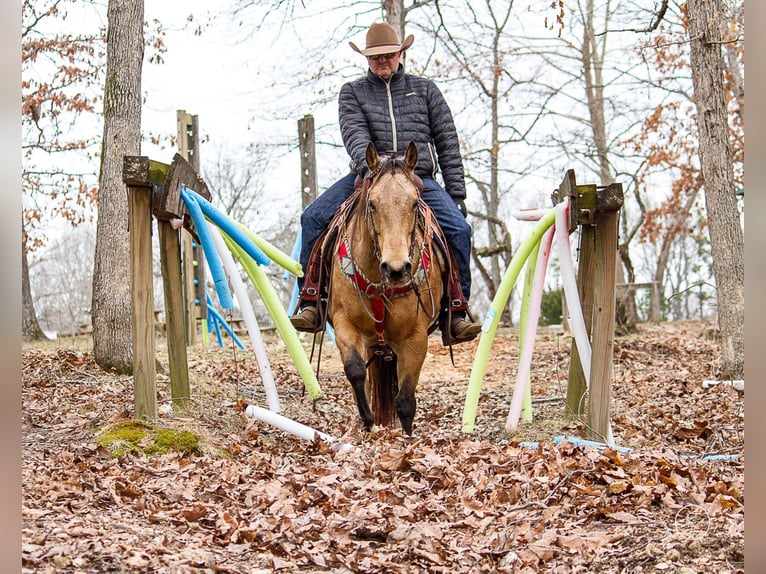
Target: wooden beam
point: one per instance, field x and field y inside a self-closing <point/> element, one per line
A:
<point x="577" y="385"/>
<point x="610" y="197"/>
<point x="170" y="204"/>
<point x="567" y="189"/>
<point x="170" y="262"/>
<point x="308" y="160"/>
<point x="633" y="286"/>
<point x="142" y="302"/>
<point x="139" y="170"/>
<point x="602" y="359"/>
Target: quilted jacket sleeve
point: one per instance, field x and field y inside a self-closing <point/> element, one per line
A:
<point x="446" y="143"/>
<point x="354" y="128"/>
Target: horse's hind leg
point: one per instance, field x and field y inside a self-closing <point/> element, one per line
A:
<point x="356" y="372"/>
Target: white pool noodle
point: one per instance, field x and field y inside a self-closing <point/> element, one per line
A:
<point x="570" y="289"/>
<point x="256" y="340"/>
<point x="293" y="427"/>
<point x="525" y="361"/>
<point x="529" y="214"/>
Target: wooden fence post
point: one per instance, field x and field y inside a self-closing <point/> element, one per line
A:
<point x="141" y="295"/>
<point x="609" y="202"/>
<point x="175" y="330"/>
<point x="169" y="206"/>
<point x="308" y="160"/>
<point x="581" y="197"/>
<point x="160" y="186"/>
<point x="595" y="209"/>
<point x="188" y="148"/>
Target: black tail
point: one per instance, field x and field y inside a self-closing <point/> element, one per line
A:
<point x="384" y="386"/>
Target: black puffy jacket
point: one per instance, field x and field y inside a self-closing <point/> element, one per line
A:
<point x="393" y="113"/>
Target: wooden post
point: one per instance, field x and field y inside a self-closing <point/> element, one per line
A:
<point x="142" y="172"/>
<point x="610" y="199"/>
<point x="190" y="310"/>
<point x="170" y="262"/>
<point x="187" y="148"/>
<point x="654" y="303"/>
<point x="142" y="299"/>
<point x="582" y="205"/>
<point x="595" y="209"/>
<point x="308" y="160"/>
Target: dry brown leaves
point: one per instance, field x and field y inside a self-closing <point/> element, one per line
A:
<point x="258" y="500"/>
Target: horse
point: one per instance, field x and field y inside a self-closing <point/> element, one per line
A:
<point x="386" y="288"/>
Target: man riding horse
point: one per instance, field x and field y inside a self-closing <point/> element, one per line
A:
<point x="391" y="109"/>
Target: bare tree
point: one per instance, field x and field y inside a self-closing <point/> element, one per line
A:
<point x="238" y="187"/>
<point x="705" y="23"/>
<point x="478" y="45"/>
<point x="30" y="326"/>
<point x="112" y="338"/>
<point x="63" y="273"/>
<point x="60" y="68"/>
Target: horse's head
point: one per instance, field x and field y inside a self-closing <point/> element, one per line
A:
<point x="392" y="210"/>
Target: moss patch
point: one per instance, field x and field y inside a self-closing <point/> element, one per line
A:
<point x="135" y="436"/>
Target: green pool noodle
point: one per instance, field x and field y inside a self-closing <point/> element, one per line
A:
<point x="274" y="253"/>
<point x="279" y="316"/>
<point x="489" y="327"/>
<point x="529" y="279"/>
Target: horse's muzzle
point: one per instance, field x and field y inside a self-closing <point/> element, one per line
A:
<point x="396" y="273"/>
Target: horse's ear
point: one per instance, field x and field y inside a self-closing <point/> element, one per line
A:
<point x="371" y="157"/>
<point x="411" y="156"/>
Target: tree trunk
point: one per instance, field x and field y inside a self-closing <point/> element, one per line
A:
<point x="593" y="64"/>
<point x="30" y="327"/>
<point x="112" y="345"/>
<point x="726" y="237"/>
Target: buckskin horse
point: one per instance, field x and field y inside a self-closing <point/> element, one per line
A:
<point x="386" y="288"/>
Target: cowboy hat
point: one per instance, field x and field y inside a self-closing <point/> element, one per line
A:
<point x="383" y="39"/>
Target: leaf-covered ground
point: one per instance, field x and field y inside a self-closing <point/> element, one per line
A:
<point x="254" y="499"/>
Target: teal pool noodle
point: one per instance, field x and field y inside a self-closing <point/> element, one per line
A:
<point x="232" y="229"/>
<point x="220" y="320"/>
<point x="214" y="262"/>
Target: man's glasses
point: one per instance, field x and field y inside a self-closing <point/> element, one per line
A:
<point x="390" y="56"/>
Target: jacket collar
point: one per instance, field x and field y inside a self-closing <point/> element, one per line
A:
<point x="399" y="74"/>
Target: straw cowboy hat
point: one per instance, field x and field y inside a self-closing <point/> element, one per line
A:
<point x="383" y="39"/>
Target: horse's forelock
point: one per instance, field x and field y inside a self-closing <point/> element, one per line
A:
<point x="390" y="164"/>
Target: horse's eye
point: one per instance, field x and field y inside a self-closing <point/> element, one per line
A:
<point x="371" y="207"/>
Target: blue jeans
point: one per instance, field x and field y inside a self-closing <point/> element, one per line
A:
<point x="318" y="214"/>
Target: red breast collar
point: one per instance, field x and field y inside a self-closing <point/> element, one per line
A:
<point x="375" y="291"/>
<point x="367" y="287"/>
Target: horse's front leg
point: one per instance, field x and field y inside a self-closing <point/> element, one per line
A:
<point x="356" y="372"/>
<point x="409" y="363"/>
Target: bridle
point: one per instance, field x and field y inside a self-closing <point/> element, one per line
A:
<point x="420" y="253"/>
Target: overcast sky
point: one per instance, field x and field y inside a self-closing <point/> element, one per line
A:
<point x="227" y="78"/>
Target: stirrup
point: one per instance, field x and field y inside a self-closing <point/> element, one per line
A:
<point x="468" y="331"/>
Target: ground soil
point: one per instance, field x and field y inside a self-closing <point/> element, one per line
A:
<point x="254" y="499"/>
